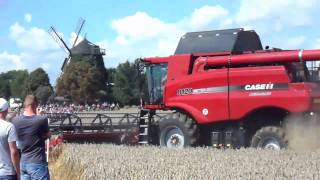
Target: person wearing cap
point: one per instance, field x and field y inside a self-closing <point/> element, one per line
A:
<point x="9" y="156"/>
<point x="32" y="130"/>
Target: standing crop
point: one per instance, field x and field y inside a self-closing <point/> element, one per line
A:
<point x="102" y="161"/>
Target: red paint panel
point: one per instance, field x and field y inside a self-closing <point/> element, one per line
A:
<point x="243" y="102"/>
<point x="260" y="74"/>
<point x="216" y="103"/>
<point x="178" y="66"/>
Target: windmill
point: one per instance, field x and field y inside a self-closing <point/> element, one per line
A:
<point x="57" y="37"/>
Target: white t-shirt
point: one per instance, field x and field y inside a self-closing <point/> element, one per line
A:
<point x="7" y="134"/>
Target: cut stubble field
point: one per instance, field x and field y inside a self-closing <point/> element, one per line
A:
<point x="106" y="161"/>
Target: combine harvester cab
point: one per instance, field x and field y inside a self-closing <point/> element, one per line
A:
<point x="222" y="89"/>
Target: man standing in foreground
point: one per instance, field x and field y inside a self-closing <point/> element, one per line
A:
<point x="9" y="155"/>
<point x="32" y="132"/>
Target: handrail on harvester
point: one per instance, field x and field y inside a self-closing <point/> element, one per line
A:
<point x="258" y="58"/>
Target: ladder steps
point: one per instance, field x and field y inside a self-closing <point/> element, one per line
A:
<point x="143" y="128"/>
<point x="143" y="134"/>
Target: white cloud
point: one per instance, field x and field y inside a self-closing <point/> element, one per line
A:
<point x="208" y="14"/>
<point x="16" y="30"/>
<point x="140" y="26"/>
<point x="28" y="17"/>
<point x="143" y="35"/>
<point x="10" y="61"/>
<point x="37" y="49"/>
<point x="24" y="60"/>
<point x="49" y="61"/>
<point x="121" y="40"/>
<point x="275" y="14"/>
<point x="34" y="39"/>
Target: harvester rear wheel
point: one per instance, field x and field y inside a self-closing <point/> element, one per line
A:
<point x="178" y="130"/>
<point x="269" y="137"/>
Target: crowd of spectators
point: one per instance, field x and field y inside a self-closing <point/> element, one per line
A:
<point x="71" y="108"/>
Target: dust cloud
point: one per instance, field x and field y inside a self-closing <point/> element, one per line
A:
<point x="303" y="133"/>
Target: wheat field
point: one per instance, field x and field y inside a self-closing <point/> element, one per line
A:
<point x="105" y="161"/>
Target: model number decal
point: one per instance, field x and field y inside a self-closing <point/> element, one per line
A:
<point x="244" y="88"/>
<point x="184" y="91"/>
<point x="254" y="87"/>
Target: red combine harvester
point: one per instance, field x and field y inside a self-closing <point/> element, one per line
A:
<point x="225" y="90"/>
<point x="220" y="88"/>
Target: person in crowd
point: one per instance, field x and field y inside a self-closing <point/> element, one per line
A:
<point x="9" y="155"/>
<point x="32" y="130"/>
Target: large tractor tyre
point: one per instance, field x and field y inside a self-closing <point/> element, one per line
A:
<point x="270" y="137"/>
<point x="178" y="130"/>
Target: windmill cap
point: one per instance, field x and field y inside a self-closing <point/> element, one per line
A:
<point x="4" y="105"/>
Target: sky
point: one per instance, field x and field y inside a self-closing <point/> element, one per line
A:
<point x="129" y="29"/>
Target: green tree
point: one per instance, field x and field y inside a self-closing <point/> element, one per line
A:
<point x="18" y="83"/>
<point x="82" y="82"/>
<point x="129" y="84"/>
<point x="84" y="79"/>
<point x="38" y="79"/>
<point x="121" y="89"/>
<point x="4" y="86"/>
<point x="110" y="83"/>
<point x="43" y="93"/>
<point x="141" y="85"/>
<point x="5" y="90"/>
<point x="12" y="83"/>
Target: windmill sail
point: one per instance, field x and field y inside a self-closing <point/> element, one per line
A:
<point x="55" y="35"/>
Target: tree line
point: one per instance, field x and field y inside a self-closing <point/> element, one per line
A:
<point x="19" y="83"/>
<point x="80" y="83"/>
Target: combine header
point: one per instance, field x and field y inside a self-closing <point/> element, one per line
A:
<point x="94" y="127"/>
<point x="112" y="127"/>
<point x="222" y="89"/>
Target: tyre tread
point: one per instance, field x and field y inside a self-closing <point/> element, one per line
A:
<point x="189" y="126"/>
<point x="269" y="129"/>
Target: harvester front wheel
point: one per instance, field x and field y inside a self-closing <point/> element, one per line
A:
<point x="178" y="130"/>
<point x="270" y="137"/>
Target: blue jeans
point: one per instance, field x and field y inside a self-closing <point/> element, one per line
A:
<point x="32" y="171"/>
<point x="8" y="177"/>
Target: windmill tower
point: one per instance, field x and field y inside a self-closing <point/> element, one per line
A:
<point x="81" y="54"/>
<point x="57" y="37"/>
